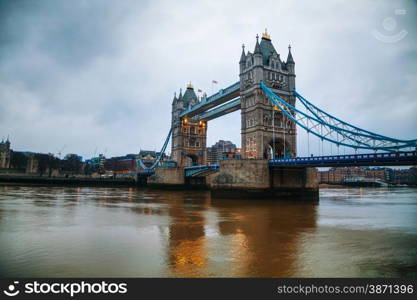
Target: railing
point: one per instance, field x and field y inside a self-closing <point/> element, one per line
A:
<point x="190" y="171"/>
<point x="147" y="172"/>
<point x="409" y="157"/>
<point x="220" y="94"/>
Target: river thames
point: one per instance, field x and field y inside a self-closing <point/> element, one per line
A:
<point x="128" y="232"/>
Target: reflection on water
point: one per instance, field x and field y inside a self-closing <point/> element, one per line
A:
<point x="122" y="232"/>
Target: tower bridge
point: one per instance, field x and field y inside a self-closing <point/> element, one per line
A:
<point x="266" y="97"/>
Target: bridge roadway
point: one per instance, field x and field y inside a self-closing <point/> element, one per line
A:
<point x="221" y="110"/>
<point x="372" y="159"/>
<point x="214" y="100"/>
<point x="408" y="158"/>
<point x="195" y="171"/>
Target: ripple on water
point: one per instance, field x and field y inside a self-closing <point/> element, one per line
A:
<point x="70" y="231"/>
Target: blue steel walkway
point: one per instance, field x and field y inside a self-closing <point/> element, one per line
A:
<point x="195" y="171"/>
<point x="372" y="159"/>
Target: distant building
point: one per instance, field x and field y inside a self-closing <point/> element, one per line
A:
<point x="35" y="163"/>
<point x="25" y="161"/>
<point x="5" y="154"/>
<point x="32" y="164"/>
<point x="96" y="163"/>
<point x="405" y="176"/>
<point x="148" y="157"/>
<point x="395" y="176"/>
<point x="73" y="156"/>
<point x="221" y="150"/>
<point x="338" y="175"/>
<point x="121" y="164"/>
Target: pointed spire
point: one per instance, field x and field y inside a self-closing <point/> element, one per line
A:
<point x="289" y="58"/>
<point x="180" y="96"/>
<point x="175" y="98"/>
<point x="257" y="47"/>
<point x="243" y="56"/>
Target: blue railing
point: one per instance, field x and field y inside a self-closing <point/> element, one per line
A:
<point x="395" y="158"/>
<point x="147" y="172"/>
<point x="190" y="171"/>
<point x="161" y="153"/>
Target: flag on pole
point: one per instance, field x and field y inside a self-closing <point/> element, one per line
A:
<point x="200" y="91"/>
<point x="214" y="81"/>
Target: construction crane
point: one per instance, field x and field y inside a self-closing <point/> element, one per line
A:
<point x="60" y="151"/>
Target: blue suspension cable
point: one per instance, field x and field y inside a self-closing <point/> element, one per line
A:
<point x="343" y="131"/>
<point x="159" y="156"/>
<point x="308" y="105"/>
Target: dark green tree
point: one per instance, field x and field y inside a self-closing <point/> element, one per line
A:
<point x="18" y="160"/>
<point x="413" y="175"/>
<point x="72" y="163"/>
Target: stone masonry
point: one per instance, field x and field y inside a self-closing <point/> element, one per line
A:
<point x="262" y="126"/>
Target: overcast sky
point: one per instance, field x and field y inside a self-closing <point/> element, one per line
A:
<point x="102" y="74"/>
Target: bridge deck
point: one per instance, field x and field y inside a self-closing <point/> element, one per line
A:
<point x="218" y="98"/>
<point x="222" y="110"/>
<point x="373" y="159"/>
<point x="198" y="170"/>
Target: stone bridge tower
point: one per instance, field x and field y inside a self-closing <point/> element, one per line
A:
<point x="5" y="154"/>
<point x="188" y="146"/>
<point x="264" y="129"/>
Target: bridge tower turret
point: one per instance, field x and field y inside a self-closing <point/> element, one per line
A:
<point x="291" y="69"/>
<point x="188" y="145"/>
<point x="242" y="60"/>
<point x="266" y="132"/>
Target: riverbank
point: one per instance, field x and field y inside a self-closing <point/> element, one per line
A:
<point x="345" y="186"/>
<point x="63" y="181"/>
<point x="331" y="186"/>
<point x="110" y="182"/>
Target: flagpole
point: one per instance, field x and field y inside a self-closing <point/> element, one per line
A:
<point x="212" y="85"/>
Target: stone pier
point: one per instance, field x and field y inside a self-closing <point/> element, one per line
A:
<point x="244" y="178"/>
<point x="252" y="178"/>
<point x="167" y="177"/>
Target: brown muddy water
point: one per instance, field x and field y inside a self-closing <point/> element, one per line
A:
<point x="128" y="232"/>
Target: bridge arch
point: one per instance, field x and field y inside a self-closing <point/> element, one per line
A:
<point x="279" y="145"/>
<point x="191" y="160"/>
